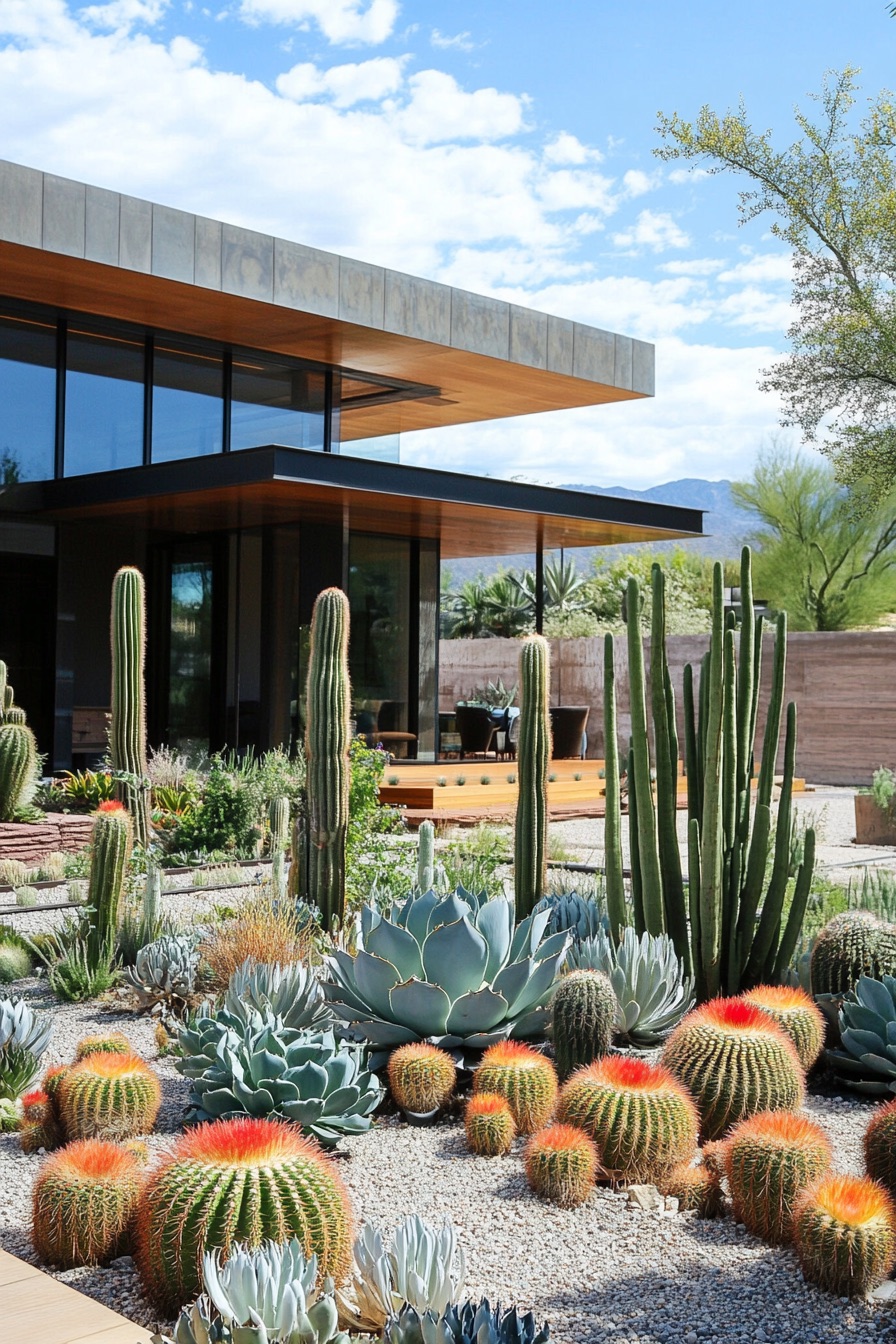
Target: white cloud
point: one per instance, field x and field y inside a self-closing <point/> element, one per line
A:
<point x="568" y="148"/>
<point x="460" y="41"/>
<point x="636" y="182"/>
<point x="346" y="21"/>
<point x="768" y="266"/>
<point x="122" y="15"/>
<point x="439" y="110"/>
<point x="657" y="231"/>
<point x="345" y="85"/>
<point x="699" y="266"/>
<point x="679" y="176"/>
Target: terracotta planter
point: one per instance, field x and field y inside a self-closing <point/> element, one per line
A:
<point x="874" y="825"/>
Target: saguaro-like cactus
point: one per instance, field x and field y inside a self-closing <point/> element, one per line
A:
<point x="18" y="768"/>
<point x="127" y="740"/>
<point x="533" y="755"/>
<point x="613" y="819"/>
<point x="278" y="820"/>
<point x="425" y="855"/>
<point x="110" y="851"/>
<point x="6" y="693"/>
<point x="327" y="743"/>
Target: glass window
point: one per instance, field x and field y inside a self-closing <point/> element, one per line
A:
<point x="104" y="377"/>
<point x="27" y="400"/>
<point x="189" y="701"/>
<point x="379" y="651"/>
<point x="275" y="403"/>
<point x="187" y="403"/>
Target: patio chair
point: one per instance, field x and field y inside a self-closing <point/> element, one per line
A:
<point x="477" y="728"/>
<point x="568" y="724"/>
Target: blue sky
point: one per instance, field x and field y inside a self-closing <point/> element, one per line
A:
<point x="504" y="147"/>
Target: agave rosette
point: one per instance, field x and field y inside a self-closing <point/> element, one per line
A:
<point x="652" y="992"/>
<point x="867" y="1061"/>
<point x="451" y="970"/>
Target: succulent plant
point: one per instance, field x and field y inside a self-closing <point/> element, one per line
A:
<point x="880" y="1147"/>
<point x="525" y="1078"/>
<point x="165" y="971"/>
<point x="423" y="1266"/>
<point x="110" y="852"/>
<point x="867" y="1060"/>
<point x="253" y="1065"/>
<point x="735" y="1062"/>
<point x="421" y="1077"/>
<point x="643" y="1122"/>
<point x="292" y="992"/>
<point x="530" y="832"/>
<point x="9" y="1116"/>
<point x="652" y="992"/>
<point x="561" y="1165"/>
<point x="770" y="1160"/>
<point x="697" y="1187"/>
<point x="845" y="1235"/>
<point x="15" y="963"/>
<point x="84" y="1202"/>
<point x="796" y="1014"/>
<point x="127" y="730"/>
<point x="106" y="1043"/>
<point x="24" y="1036"/>
<point x="471" y="1323"/>
<point x="108" y="1096"/>
<point x="489" y="1125"/>
<point x="39" y="1127"/>
<point x="852" y="944"/>
<point x="18" y="768"/>
<point x="452" y="971"/>
<point x="263" y="1179"/>
<point x="583" y="1011"/>
<point x="570" y="912"/>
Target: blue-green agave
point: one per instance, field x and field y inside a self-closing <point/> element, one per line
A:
<point x="450" y="970"/>
<point x="423" y="1266"/>
<point x="652" y="992"/>
<point x="471" y="1323"/>
<point x="293" y="993"/>
<point x="867" y="1061"/>
<point x="24" y="1036"/>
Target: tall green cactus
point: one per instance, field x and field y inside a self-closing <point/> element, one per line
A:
<point x="533" y="755"/>
<point x="6" y="694"/>
<point x="278" y="821"/>
<point x="730" y="928"/>
<point x="613" y="818"/>
<point x="18" y="768"/>
<point x="425" y="856"/>
<point x="111" y="844"/>
<point x="327" y="739"/>
<point x="127" y="739"/>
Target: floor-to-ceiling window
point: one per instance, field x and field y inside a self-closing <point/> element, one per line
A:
<point x="275" y="403"/>
<point x="104" y="393"/>
<point x="27" y="399"/>
<point x="380" y="650"/>
<point x="187" y="402"/>
<point x="191" y="646"/>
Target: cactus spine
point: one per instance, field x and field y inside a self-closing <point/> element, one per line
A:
<point x="421" y="1077"/>
<point x="615" y="882"/>
<point x="245" y="1180"/>
<point x="85" y="1198"/>
<point x="526" y="1080"/>
<point x="845" y="1235"/>
<point x="278" y="821"/>
<point x="111" y="845"/>
<point x="127" y="737"/>
<point x="584" y="1011"/>
<point x="880" y="1147"/>
<point x="533" y="757"/>
<point x="109" y="1096"/>
<point x="489" y="1125"/>
<point x="796" y="1014"/>
<point x="561" y="1165"/>
<point x="327" y="743"/>
<point x="425" y="856"/>
<point x="770" y="1160"/>
<point x="18" y="768"/>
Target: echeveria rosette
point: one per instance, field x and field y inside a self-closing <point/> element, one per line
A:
<point x="867" y="1062"/>
<point x="452" y="971"/>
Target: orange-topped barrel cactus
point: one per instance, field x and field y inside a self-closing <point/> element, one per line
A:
<point x="770" y="1160"/>
<point x="84" y="1202"/>
<point x="797" y="1014"/>
<point x="524" y="1078"/>
<point x="561" y="1165"/>
<point x="489" y="1125"/>
<point x="845" y="1235"/>
<point x="109" y="1096"/>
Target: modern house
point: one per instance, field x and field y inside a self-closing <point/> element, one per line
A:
<point x="222" y="408"/>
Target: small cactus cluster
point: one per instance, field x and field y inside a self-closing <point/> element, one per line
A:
<point x="84" y="1203"/>
<point x="109" y="1096"/>
<point x="798" y="1016"/>
<point x="39" y="1126"/>
<point x="489" y="1125"/>
<point x="852" y="944"/>
<point x="880" y="1147"/>
<point x="735" y="1061"/>
<point x="641" y="1119"/>
<point x="697" y="1187"/>
<point x="845" y="1235"/>
<point x="526" y="1080"/>
<point x="561" y="1165"/>
<point x="584" y="1012"/>
<point x="421" y="1077"/>
<point x="770" y="1160"/>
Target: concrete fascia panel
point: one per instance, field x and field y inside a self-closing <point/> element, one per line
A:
<point x="362" y="293"/>
<point x="561" y="332"/>
<point x="21" y="205"/>
<point x="102" y="226"/>
<point x="418" y="308"/>
<point x="480" y="324"/>
<point x="643" y="368"/>
<point x="306" y="278"/>
<point x="207" y="254"/>
<point x="64" y="216"/>
<point x="247" y="263"/>
<point x="594" y="354"/>
<point x="622" y="368"/>
<point x="528" y="337"/>
<point x="135" y="234"/>
<point x="173" y="240"/>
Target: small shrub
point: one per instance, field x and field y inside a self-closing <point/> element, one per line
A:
<point x="441" y="781"/>
<point x="883" y="788"/>
<point x="393" y="780"/>
<point x="76" y="976"/>
<point x="485" y="779"/>
<point x="461" y="779"/>
<point x="15" y="963"/>
<point x="265" y="929"/>
<point x="25" y="897"/>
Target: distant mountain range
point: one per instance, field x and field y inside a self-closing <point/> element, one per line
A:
<point x="726" y="527"/>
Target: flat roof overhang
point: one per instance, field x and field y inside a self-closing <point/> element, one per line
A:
<point x="468" y="515"/>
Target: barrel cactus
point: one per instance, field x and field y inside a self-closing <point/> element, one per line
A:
<point x="561" y="1165"/>
<point x="421" y="1077"/>
<point x="530" y="849"/>
<point x="696" y="1186"/>
<point x="583" y="1013"/>
<point x="127" y="734"/>
<point x="111" y="844"/>
<point x="845" y="1235"/>
<point x="18" y="768"/>
<point x="770" y="1160"/>
<point x="105" y="1043"/>
<point x="489" y="1125"/>
<point x="641" y="1119"/>
<point x="524" y="1078"/>
<point x="109" y="1096"/>
<point x="735" y="1062"/>
<point x="39" y="1127"/>
<point x="852" y="944"/>
<point x="652" y="991"/>
<point x="327" y="738"/>
<point x="880" y="1147"/>
<point x="794" y="1011"/>
<point x="84" y="1202"/>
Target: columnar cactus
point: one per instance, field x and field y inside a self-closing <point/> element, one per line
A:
<point x="735" y="1062"/>
<point x="845" y="1235"/>
<point x="561" y="1165"/>
<point x="111" y="845"/>
<point x="6" y="693"/>
<point x="533" y="757"/>
<point x="489" y="1125"/>
<point x="85" y="1198"/>
<point x="852" y="944"/>
<point x="426" y="836"/>
<point x="326" y="744"/>
<point x="18" y="768"/>
<point x="613" y="818"/>
<point x="642" y="1121"/>
<point x="796" y="1013"/>
<point x="107" y="1043"/>
<point x="583" y="1012"/>
<point x="278" y="822"/>
<point x="421" y="1077"/>
<point x="770" y="1160"/>
<point x="109" y="1096"/>
<point x="880" y="1147"/>
<point x="244" y="1180"/>
<point x="524" y="1078"/>
<point x="127" y="737"/>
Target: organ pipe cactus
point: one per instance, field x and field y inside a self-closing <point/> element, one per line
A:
<point x="583" y="1012"/>
<point x="6" y="693"/>
<point x="616" y="908"/>
<point x="278" y="823"/>
<point x="422" y="1265"/>
<point x="84" y="1202"/>
<point x="533" y="757"/>
<point x="127" y="736"/>
<point x="425" y="855"/>
<point x="18" y="768"/>
<point x="326" y="744"/>
<point x="111" y="844"/>
<point x="716" y="930"/>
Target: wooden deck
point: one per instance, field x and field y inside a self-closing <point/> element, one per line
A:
<point x="35" y="1306"/>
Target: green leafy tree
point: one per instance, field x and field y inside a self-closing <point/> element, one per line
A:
<point x="833" y="192"/>
<point x="688" y="589"/>
<point x="827" y="565"/>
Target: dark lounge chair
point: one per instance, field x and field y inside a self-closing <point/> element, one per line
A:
<point x="568" y="723"/>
